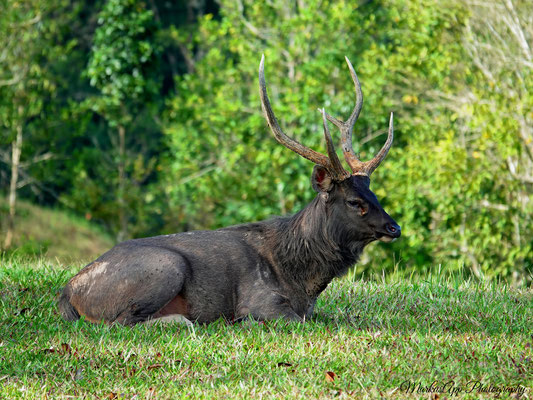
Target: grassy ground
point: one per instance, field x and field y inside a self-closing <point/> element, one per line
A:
<point x="54" y="234"/>
<point x="367" y="340"/>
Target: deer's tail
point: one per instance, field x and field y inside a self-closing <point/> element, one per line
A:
<point x="66" y="309"/>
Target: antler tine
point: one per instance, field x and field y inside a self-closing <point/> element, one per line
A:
<point x="281" y="137"/>
<point x="371" y="165"/>
<point x="336" y="165"/>
<point x="346" y="128"/>
<point x="346" y="131"/>
<point x="358" y="95"/>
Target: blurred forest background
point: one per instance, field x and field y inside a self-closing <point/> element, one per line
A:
<point x="127" y="118"/>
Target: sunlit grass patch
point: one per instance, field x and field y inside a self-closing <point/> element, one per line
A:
<point x="53" y="234"/>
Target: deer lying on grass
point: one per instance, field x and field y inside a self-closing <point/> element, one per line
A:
<point x="266" y="270"/>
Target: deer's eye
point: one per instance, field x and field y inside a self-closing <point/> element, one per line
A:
<point x="359" y="205"/>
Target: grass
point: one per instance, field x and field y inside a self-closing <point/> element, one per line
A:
<point x="367" y="339"/>
<point x="54" y="234"/>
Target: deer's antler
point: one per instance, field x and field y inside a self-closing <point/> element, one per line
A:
<point x="358" y="167"/>
<point x="330" y="162"/>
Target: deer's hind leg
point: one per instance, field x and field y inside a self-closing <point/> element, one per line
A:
<point x="128" y="284"/>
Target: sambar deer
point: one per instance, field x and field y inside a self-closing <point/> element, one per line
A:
<point x="265" y="270"/>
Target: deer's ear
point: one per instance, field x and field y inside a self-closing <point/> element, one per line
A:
<point x="321" y="179"/>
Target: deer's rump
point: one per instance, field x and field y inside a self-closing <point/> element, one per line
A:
<point x="201" y="275"/>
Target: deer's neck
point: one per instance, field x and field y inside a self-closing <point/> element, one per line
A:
<point x="310" y="251"/>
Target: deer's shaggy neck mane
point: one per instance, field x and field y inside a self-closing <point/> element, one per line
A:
<point x="311" y="251"/>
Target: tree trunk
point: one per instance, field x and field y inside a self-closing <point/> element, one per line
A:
<point x="123" y="218"/>
<point x="16" y="148"/>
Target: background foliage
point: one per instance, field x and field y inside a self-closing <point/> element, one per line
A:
<point x="144" y="117"/>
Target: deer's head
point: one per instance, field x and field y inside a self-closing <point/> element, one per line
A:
<point x="350" y="202"/>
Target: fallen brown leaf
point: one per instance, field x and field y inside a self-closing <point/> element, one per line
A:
<point x="65" y="347"/>
<point x="331" y="376"/>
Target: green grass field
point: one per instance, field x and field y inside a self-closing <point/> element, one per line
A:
<point x="368" y="339"/>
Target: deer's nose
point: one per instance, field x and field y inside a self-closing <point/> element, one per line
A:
<point x="393" y="229"/>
